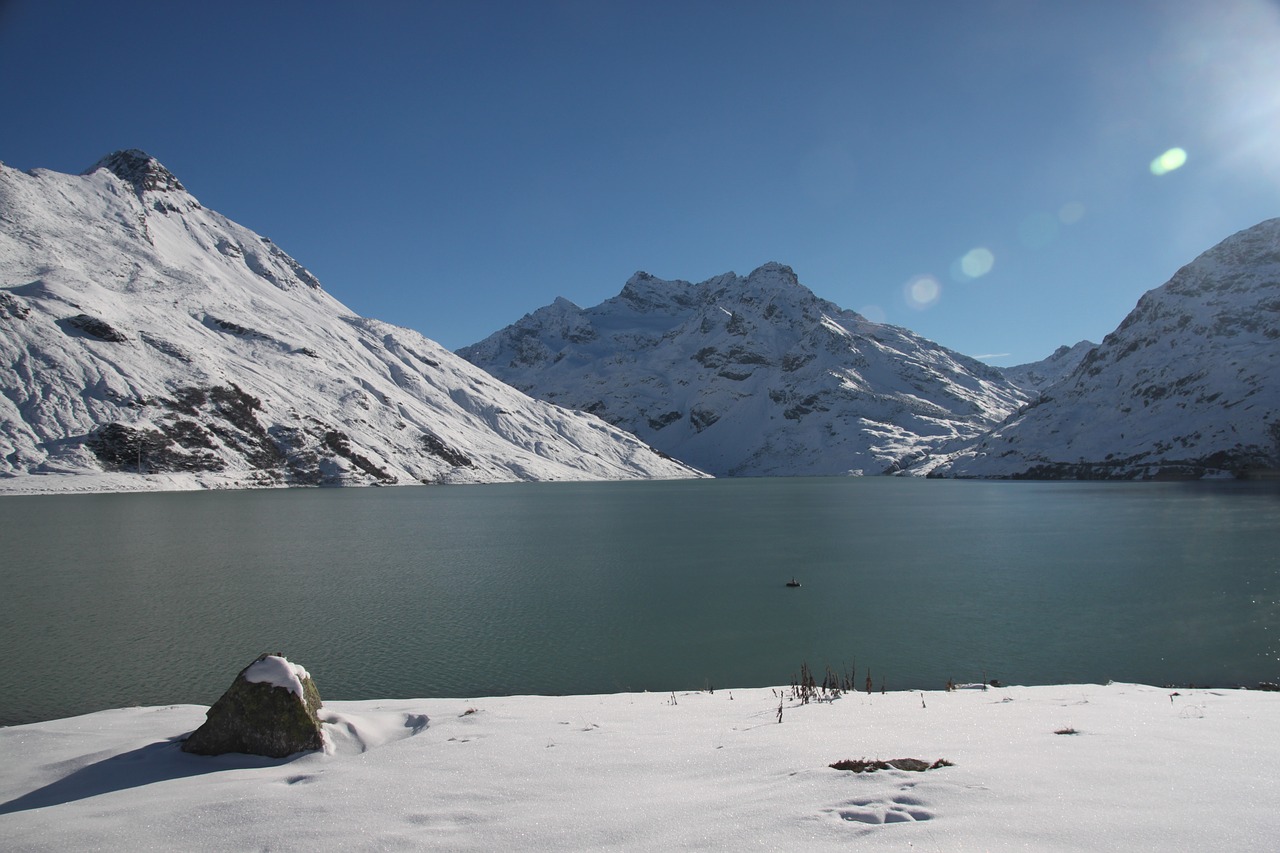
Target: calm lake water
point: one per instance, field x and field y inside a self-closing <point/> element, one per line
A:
<point x="116" y="600"/>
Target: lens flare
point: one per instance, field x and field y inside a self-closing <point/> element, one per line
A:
<point x="1071" y="213"/>
<point x="874" y="313"/>
<point x="1172" y="159"/>
<point x="977" y="263"/>
<point x="921" y="291"/>
<point x="1219" y="83"/>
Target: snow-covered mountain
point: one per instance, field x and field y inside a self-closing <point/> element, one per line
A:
<point x="1039" y="375"/>
<point x="1187" y="386"/>
<point x="751" y="376"/>
<point x="142" y="332"/>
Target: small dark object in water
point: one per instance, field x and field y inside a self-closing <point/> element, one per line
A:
<point x="793" y="583"/>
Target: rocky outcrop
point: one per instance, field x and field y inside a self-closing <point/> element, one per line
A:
<point x="137" y="168"/>
<point x="1038" y="375"/>
<point x="99" y="329"/>
<point x="270" y="709"/>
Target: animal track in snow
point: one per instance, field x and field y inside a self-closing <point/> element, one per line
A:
<point x="903" y="808"/>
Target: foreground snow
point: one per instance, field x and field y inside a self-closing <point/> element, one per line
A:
<point x="1147" y="768"/>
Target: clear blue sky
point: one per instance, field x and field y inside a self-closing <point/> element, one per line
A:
<point x="452" y="166"/>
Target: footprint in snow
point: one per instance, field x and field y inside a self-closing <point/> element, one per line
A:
<point x="904" y="808"/>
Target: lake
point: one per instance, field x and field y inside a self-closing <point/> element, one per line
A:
<point x="460" y="591"/>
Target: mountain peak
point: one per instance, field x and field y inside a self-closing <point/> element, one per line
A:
<point x="140" y="169"/>
<point x="645" y="292"/>
<point x="773" y="269"/>
<point x="751" y="376"/>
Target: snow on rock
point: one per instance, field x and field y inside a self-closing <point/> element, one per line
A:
<point x="278" y="672"/>
<point x="1187" y="386"/>
<point x="147" y="342"/>
<point x="750" y="376"/>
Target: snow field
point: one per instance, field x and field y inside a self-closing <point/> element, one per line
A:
<point x="1146" y="769"/>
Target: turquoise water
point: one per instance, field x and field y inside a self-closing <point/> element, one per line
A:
<point x="116" y="600"/>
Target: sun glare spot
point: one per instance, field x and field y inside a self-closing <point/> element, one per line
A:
<point x="874" y="313"/>
<point x="1172" y="159"/>
<point x="1071" y="213"/>
<point x="921" y="291"/>
<point x="974" y="264"/>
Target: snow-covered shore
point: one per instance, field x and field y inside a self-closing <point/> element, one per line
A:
<point x="109" y="482"/>
<point x="1145" y="769"/>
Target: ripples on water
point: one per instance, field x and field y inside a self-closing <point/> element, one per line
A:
<point x="577" y="588"/>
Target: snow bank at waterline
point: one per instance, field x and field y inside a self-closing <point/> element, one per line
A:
<point x="1145" y="769"/>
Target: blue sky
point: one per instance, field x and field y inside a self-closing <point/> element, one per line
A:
<point x="452" y="166"/>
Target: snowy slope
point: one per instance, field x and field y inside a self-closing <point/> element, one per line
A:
<point x="1187" y="386"/>
<point x="1039" y="375"/>
<point x="751" y="376"/>
<point x="141" y="332"/>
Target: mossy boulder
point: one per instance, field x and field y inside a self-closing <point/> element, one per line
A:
<point x="270" y="709"/>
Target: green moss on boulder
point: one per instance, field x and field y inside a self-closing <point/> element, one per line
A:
<point x="270" y="709"/>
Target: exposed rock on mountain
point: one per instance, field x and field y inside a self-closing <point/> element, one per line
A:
<point x="1187" y="386"/>
<point x="137" y="168"/>
<point x="751" y="376"/>
<point x="142" y="334"/>
<point x="1038" y="375"/>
